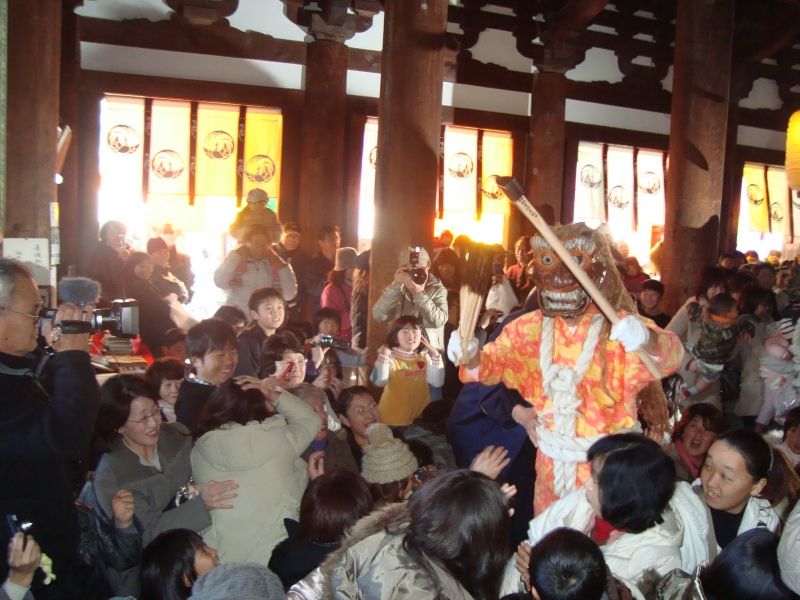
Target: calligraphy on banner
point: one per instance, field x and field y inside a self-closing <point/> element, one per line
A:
<point x="755" y="190"/>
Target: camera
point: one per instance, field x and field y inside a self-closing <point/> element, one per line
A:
<point x="327" y="341"/>
<point x="16" y="527"/>
<point x="121" y="320"/>
<point x="418" y="275"/>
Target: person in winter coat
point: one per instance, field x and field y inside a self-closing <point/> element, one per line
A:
<point x="166" y="283"/>
<point x="250" y="431"/>
<point x="108" y="259"/>
<point x="692" y="436"/>
<point x="46" y="421"/>
<point x="789" y="550"/>
<point x="256" y="212"/>
<point x="154" y="316"/>
<point x="429" y="429"/>
<point x="449" y="541"/>
<point x="339" y="291"/>
<point x="153" y="463"/>
<point x="633" y="508"/>
<point x="427" y="300"/>
<point x="268" y="312"/>
<point x="744" y="481"/>
<point x="331" y="505"/>
<point x="254" y="265"/>
<point x="289" y="250"/>
<point x="709" y="282"/>
<point x="748" y="568"/>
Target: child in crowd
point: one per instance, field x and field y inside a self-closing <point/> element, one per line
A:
<point x="790" y="446"/>
<point x="357" y="410"/>
<point x="649" y="300"/>
<point x="388" y="466"/>
<point x="405" y="372"/>
<point x="234" y="316"/>
<point x="174" y="344"/>
<point x="171" y="564"/>
<point x="566" y="564"/>
<point x="720" y="330"/>
<point x="327" y="321"/>
<point x="166" y="374"/>
<point x="267" y="311"/>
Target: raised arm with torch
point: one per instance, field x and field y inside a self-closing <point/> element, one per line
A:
<point x="579" y="361"/>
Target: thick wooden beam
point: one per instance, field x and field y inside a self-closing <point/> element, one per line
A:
<point x="34" y="49"/>
<point x="408" y="139"/>
<point x="698" y="134"/>
<point x="88" y="150"/>
<point x="322" y="152"/>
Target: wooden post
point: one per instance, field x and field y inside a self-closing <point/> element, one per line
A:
<point x="698" y="132"/>
<point x="322" y="154"/>
<point x="410" y="110"/>
<point x="34" y="49"/>
<point x="545" y="164"/>
<point x="88" y="151"/>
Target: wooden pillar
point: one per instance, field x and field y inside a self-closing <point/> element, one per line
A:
<point x="322" y="155"/>
<point x="698" y="133"/>
<point x="34" y="49"/>
<point x="3" y="106"/>
<point x="732" y="185"/>
<point x="545" y="165"/>
<point x="87" y="148"/>
<point x="68" y="116"/>
<point x="410" y="110"/>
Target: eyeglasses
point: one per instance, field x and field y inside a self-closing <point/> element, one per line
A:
<point x="156" y="416"/>
<point x="36" y="318"/>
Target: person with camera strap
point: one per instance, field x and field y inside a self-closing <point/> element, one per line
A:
<point x="47" y="414"/>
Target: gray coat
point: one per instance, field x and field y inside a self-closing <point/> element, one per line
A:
<point x="153" y="492"/>
<point x="430" y="306"/>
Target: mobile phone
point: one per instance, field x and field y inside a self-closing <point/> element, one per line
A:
<point x="498" y="268"/>
<point x="122" y="242"/>
<point x="15" y="526"/>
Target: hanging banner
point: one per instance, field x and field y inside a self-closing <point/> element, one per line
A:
<point x="650" y="187"/>
<point x="794" y="197"/>
<point x="619" y="170"/>
<point x="262" y="152"/>
<point x="754" y="190"/>
<point x="122" y="136"/>
<point x="497" y="161"/>
<point x="589" y="183"/>
<point x="779" y="201"/>
<point x="460" y="169"/>
<point x="369" y="166"/>
<point x="217" y="140"/>
<point x="169" y="148"/>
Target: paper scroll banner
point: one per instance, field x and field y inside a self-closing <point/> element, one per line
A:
<point x="460" y="169"/>
<point x="169" y="148"/>
<point x="217" y="143"/>
<point x="620" y="185"/>
<point x="755" y="190"/>
<point x="589" y="202"/>
<point x="497" y="159"/>
<point x="122" y="136"/>
<point x="261" y="167"/>
<point x="650" y="187"/>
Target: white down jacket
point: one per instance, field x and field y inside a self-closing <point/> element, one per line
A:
<point x="264" y="459"/>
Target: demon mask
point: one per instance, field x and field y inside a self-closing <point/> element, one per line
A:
<point x="559" y="291"/>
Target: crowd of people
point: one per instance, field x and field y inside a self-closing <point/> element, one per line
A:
<point x="244" y="464"/>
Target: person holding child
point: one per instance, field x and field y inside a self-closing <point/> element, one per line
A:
<point x="405" y="372"/>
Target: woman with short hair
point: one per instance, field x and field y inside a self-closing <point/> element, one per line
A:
<point x="152" y="461"/>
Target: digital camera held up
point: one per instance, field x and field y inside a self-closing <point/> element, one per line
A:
<point x="418" y="274"/>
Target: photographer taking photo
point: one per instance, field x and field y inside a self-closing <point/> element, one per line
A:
<point x="48" y="406"/>
<point x="415" y="292"/>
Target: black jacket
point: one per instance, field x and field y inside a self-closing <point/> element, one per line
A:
<point x="191" y="401"/>
<point x="39" y="437"/>
<point x="166" y="283"/>
<point x="299" y="260"/>
<point x="249" y="344"/>
<point x="154" y="319"/>
<point x="106" y="267"/>
<point x="291" y="560"/>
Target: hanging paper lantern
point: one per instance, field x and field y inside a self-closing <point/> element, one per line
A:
<point x="793" y="151"/>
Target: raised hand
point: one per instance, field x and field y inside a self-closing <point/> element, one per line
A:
<point x="522" y="558"/>
<point x="23" y="559"/>
<point x="316" y="464"/>
<point x="491" y="461"/>
<point x="214" y="493"/>
<point x="122" y="507"/>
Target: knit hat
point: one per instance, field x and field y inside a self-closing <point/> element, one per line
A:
<point x="155" y="244"/>
<point x="386" y="459"/>
<point x="405" y="256"/>
<point x="362" y="260"/>
<point x="239" y="581"/>
<point x="345" y="259"/>
<point x="257" y="195"/>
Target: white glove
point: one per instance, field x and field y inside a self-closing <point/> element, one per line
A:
<point x="631" y="333"/>
<point x="455" y="349"/>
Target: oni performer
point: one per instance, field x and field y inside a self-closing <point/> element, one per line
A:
<point x="578" y="375"/>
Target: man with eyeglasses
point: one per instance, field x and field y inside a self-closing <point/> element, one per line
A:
<point x="47" y="414"/>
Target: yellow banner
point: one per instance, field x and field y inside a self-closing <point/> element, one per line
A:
<point x="497" y="157"/>
<point x="217" y="143"/>
<point x="779" y="201"/>
<point x="169" y="148"/>
<point x="754" y="189"/>
<point x="122" y="137"/>
<point x="460" y="169"/>
<point x="261" y="167"/>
